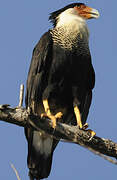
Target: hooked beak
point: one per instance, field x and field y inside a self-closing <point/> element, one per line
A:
<point x="94" y="13"/>
<point x="87" y="12"/>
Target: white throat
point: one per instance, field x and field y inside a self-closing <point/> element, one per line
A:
<point x="70" y="30"/>
<point x="71" y="20"/>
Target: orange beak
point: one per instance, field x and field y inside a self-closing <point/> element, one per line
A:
<point x="87" y="12"/>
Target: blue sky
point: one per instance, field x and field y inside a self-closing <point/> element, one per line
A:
<point x="21" y="25"/>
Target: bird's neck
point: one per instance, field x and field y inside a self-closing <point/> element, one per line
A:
<point x="70" y="33"/>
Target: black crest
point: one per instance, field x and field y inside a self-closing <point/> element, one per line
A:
<point x="54" y="15"/>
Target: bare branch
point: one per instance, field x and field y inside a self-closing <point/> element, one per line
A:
<point x="17" y="175"/>
<point x="21" y="95"/>
<point x="24" y="118"/>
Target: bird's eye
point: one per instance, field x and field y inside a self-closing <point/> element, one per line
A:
<point x="81" y="6"/>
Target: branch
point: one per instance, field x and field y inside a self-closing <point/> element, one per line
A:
<point x="16" y="173"/>
<point x="21" y="95"/>
<point x="23" y="117"/>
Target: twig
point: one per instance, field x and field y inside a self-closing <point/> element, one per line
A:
<point x="103" y="156"/>
<point x="21" y="95"/>
<point x="17" y="175"/>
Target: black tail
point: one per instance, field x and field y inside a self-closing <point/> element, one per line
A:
<point x="41" y="168"/>
<point x="40" y="152"/>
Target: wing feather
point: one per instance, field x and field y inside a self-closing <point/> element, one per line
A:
<point x="40" y="145"/>
<point x="39" y="67"/>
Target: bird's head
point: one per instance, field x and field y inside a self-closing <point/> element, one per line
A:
<point x="78" y="10"/>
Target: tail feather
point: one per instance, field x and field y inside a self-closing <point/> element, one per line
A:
<point x="40" y="152"/>
<point x="40" y="169"/>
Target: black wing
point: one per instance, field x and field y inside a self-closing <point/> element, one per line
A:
<point x="41" y="60"/>
<point x="86" y="102"/>
<point x="39" y="163"/>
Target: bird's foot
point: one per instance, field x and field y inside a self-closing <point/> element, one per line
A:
<point x="85" y="126"/>
<point x="52" y="117"/>
<point x="90" y="132"/>
<point x="59" y="115"/>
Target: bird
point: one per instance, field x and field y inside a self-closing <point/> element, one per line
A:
<point x="60" y="81"/>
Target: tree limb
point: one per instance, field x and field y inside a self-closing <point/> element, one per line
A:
<point x="23" y="117"/>
<point x="16" y="173"/>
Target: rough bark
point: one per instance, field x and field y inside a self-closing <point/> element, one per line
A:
<point x="22" y="117"/>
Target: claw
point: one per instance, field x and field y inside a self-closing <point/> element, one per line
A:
<point x="79" y="122"/>
<point x="85" y="126"/>
<point x="49" y="115"/>
<point x="59" y="115"/>
<point x="53" y="118"/>
<point x="43" y="115"/>
<point x="92" y="133"/>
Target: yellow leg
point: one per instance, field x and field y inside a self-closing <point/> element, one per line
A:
<point x="79" y="122"/>
<point x="78" y="117"/>
<point x="49" y="115"/>
<point x="46" y="107"/>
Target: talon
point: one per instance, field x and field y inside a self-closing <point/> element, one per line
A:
<point x="92" y="133"/>
<point x="85" y="126"/>
<point x="43" y="115"/>
<point x="53" y="118"/>
<point x="50" y="116"/>
<point x="59" y="115"/>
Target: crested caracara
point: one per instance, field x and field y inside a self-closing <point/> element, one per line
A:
<point x="60" y="81"/>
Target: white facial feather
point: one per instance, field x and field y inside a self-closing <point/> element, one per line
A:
<point x="71" y="30"/>
<point x="70" y="18"/>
